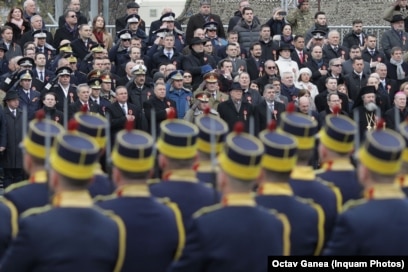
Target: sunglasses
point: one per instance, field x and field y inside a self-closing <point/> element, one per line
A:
<point x="73" y="16"/>
<point x="212" y="30"/>
<point x="337" y="65"/>
<point x="187" y="76"/>
<point x="271" y="67"/>
<point x="126" y="40"/>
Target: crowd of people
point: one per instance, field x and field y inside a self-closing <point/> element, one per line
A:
<point x="208" y="150"/>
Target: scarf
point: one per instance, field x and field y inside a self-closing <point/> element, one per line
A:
<point x="98" y="36"/>
<point x="400" y="70"/>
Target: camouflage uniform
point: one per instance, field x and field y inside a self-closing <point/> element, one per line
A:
<point x="300" y="21"/>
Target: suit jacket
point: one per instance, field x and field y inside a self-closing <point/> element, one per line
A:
<point x="230" y="115"/>
<point x="118" y="118"/>
<point x="103" y="104"/>
<point x="33" y="104"/>
<point x="351" y="39"/>
<point x="321" y="101"/>
<point x="238" y="64"/>
<point x="63" y="33"/>
<point x="392" y="71"/>
<point x="347" y="68"/>
<point x="47" y="74"/>
<point x="390" y="39"/>
<point x="193" y="63"/>
<point x="329" y="53"/>
<point x="262" y="110"/>
<point x="77" y="105"/>
<point x="197" y="21"/>
<point x="296" y="58"/>
<point x="389" y="117"/>
<point x="378" y="56"/>
<point x="159" y="107"/>
<point x="61" y="99"/>
<point x="252" y="97"/>
<point x="254" y="71"/>
<point x="79" y="48"/>
<point x="314" y="67"/>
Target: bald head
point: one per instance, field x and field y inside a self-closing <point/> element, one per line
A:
<point x="304" y="104"/>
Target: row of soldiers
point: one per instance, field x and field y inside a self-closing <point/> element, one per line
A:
<point x="220" y="194"/>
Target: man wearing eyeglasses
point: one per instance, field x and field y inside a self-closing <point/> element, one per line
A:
<point x="334" y="71"/>
<point x="210" y="29"/>
<point x="270" y="73"/>
<point x="118" y="53"/>
<point x="69" y="30"/>
<point x="74" y="5"/>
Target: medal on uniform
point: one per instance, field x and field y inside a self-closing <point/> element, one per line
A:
<point x="245" y="115"/>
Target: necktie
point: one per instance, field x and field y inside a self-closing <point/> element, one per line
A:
<point x="14" y="113"/>
<point x="86" y="44"/>
<point x="28" y="95"/>
<point x="169" y="55"/>
<point x="335" y="49"/>
<point x="215" y="96"/>
<point x="271" y="107"/>
<point x="41" y="76"/>
<point x="87" y="106"/>
<point x="372" y="52"/>
<point x="96" y="102"/>
<point x="124" y="109"/>
<point x="301" y="57"/>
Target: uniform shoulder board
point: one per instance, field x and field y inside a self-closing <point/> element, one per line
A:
<point x="100" y="198"/>
<point x="353" y="203"/>
<point x="308" y="201"/>
<point x="16" y="186"/>
<point x="153" y="181"/>
<point x="163" y="200"/>
<point x="37" y="210"/>
<point x="178" y="31"/>
<point x="320" y="171"/>
<point x="214" y="112"/>
<point x="208" y="209"/>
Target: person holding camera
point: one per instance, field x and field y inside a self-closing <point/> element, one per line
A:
<point x="277" y="21"/>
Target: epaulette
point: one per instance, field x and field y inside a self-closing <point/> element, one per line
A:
<point x="286" y="230"/>
<point x="100" y="198"/>
<point x="17" y="185"/>
<point x="303" y="200"/>
<point x="207" y="209"/>
<point x="353" y="203"/>
<point x="178" y="31"/>
<point x="214" y="112"/>
<point x="37" y="210"/>
<point x="163" y="200"/>
<point x="319" y="171"/>
<point x="336" y="191"/>
<point x="153" y="181"/>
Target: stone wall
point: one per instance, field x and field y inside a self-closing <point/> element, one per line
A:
<point x="339" y="12"/>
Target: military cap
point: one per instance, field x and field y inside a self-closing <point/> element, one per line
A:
<point x="40" y="34"/>
<point x="93" y="125"/>
<point x="125" y="34"/>
<point x="301" y="126"/>
<point x="211" y="126"/>
<point x="285" y="47"/>
<point x="176" y="75"/>
<point x="397" y="18"/>
<point x="162" y="32"/>
<point x="138" y="70"/>
<point x="95" y="83"/>
<point x="242" y="154"/>
<point x="72" y="59"/>
<point x="96" y="73"/>
<point x="318" y="34"/>
<point x="197" y="40"/>
<point x="25" y="74"/>
<point x="338" y="133"/>
<point x="205" y="2"/>
<point x="66" y="48"/>
<point x="133" y="151"/>
<point x="74" y="155"/>
<point x="280" y="150"/>
<point x="133" y="18"/>
<point x="3" y="47"/>
<point x="97" y="48"/>
<point x="132" y="5"/>
<point x="64" y="70"/>
<point x="381" y="152"/>
<point x="212" y="25"/>
<point x="403" y="129"/>
<point x="178" y="139"/>
<point x="25" y="61"/>
<point x="10" y="95"/>
<point x="106" y="78"/>
<point x="211" y="77"/>
<point x="202" y="96"/>
<point x="168" y="17"/>
<point x="38" y="130"/>
<point x="236" y="87"/>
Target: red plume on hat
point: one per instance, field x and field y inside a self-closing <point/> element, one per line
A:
<point x="40" y="114"/>
<point x="207" y="110"/>
<point x="129" y="125"/>
<point x="72" y="125"/>
<point x="272" y="125"/>
<point x="290" y="108"/>
<point x="336" y="110"/>
<point x="171" y="114"/>
<point x="239" y="127"/>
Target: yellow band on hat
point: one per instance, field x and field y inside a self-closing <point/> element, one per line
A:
<point x="305" y="142"/>
<point x="334" y="145"/>
<point x="206" y="146"/>
<point x="72" y="170"/>
<point x="34" y="149"/>
<point x="101" y="141"/>
<point x="278" y="164"/>
<point x="405" y="155"/>
<point x="377" y="165"/>
<point x="239" y="171"/>
<point x="132" y="165"/>
<point x="177" y="152"/>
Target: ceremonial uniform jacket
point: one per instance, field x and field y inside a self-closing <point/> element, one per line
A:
<point x="8" y="224"/>
<point x="235" y="235"/>
<point x="30" y="193"/>
<point x="183" y="188"/>
<point x="305" y="184"/>
<point x="101" y="184"/>
<point x="306" y="218"/>
<point x="48" y="238"/>
<point x="343" y="175"/>
<point x="33" y="103"/>
<point x="155" y="232"/>
<point x="374" y="226"/>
